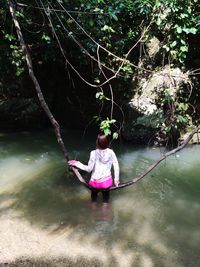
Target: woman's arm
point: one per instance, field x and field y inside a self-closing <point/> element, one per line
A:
<point x="89" y="167"/>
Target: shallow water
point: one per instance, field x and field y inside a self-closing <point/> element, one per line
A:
<point x="153" y="223"/>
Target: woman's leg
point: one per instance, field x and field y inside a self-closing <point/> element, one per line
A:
<point x="94" y="195"/>
<point x="106" y="196"/>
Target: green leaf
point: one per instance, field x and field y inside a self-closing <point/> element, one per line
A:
<point x="184" y="48"/>
<point x="115" y="135"/>
<point x="179" y="29"/>
<point x="184" y="15"/>
<point x="107" y="28"/>
<point x="19" y="71"/>
<point x="105" y="126"/>
<point x="181" y="119"/>
<point x="193" y="30"/>
<point x="174" y="44"/>
<point x="166" y="48"/>
<point x="46" y="38"/>
<point x="114" y="16"/>
<point x="98" y="10"/>
<point x="19" y="14"/>
<point x="183" y="42"/>
<point x="168" y="129"/>
<point x="99" y="95"/>
<point x="10" y="37"/>
<point x="107" y="131"/>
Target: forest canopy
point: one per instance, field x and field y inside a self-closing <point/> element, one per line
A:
<point x="135" y="62"/>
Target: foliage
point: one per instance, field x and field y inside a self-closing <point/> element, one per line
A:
<point x="105" y="127"/>
<point x="176" y="21"/>
<point x="16" y="54"/>
<point x="102" y="39"/>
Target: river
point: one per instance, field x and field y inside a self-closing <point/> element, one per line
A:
<point x="46" y="217"/>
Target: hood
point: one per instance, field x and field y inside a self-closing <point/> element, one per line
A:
<point x="103" y="155"/>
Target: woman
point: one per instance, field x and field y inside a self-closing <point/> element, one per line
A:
<point x="100" y="163"/>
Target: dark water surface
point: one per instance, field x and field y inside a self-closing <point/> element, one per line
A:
<point x="153" y="223"/>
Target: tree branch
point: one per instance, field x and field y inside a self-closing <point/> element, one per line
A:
<point x="151" y="167"/>
<point x="37" y="87"/>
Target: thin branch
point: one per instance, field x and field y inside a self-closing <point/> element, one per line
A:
<point x="60" y="10"/>
<point x="102" y="47"/>
<point x="63" y="53"/>
<point x="83" y="49"/>
<point x="110" y="86"/>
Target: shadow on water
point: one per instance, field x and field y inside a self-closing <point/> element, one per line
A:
<point x="151" y="224"/>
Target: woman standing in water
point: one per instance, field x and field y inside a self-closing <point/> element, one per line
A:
<point x="100" y="163"/>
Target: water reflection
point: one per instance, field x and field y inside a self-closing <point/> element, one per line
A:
<point x="104" y="219"/>
<point x="154" y="223"/>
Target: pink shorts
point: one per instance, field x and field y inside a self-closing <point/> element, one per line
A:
<point x="101" y="183"/>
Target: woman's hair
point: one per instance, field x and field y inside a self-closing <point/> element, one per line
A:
<point x="102" y="141"/>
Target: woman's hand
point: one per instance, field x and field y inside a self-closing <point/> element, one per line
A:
<point x="116" y="182"/>
<point x="72" y="163"/>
